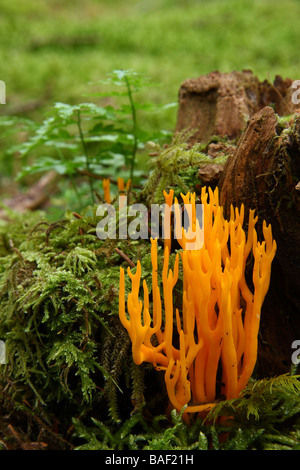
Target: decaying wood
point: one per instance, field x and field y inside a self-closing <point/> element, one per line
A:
<point x="221" y="103"/>
<point x="262" y="172"/>
<point x="210" y="173"/>
<point x="35" y="197"/>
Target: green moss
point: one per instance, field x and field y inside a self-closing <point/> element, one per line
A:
<point x="175" y="166"/>
<point x="58" y="311"/>
<point x="69" y="357"/>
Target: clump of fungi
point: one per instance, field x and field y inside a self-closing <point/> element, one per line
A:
<point x="216" y="327"/>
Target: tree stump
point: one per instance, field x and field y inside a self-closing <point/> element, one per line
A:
<point x="263" y="173"/>
<point x="221" y="103"/>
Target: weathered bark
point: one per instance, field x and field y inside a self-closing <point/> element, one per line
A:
<point x="210" y="173"/>
<point x="263" y="174"/>
<point x="221" y="103"/>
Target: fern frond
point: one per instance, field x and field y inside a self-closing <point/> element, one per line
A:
<point x="264" y="400"/>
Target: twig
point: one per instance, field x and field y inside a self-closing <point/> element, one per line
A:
<point x="12" y="245"/>
<point x="112" y="180"/>
<point x="85" y="151"/>
<point x="77" y="216"/>
<point x="26" y="445"/>
<point x="125" y="257"/>
<point x="134" y="127"/>
<point x="34" y="198"/>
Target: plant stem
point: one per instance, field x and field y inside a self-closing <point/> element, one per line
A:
<point x="71" y="178"/>
<point x="75" y="189"/>
<point x="134" y="128"/>
<point x="85" y="154"/>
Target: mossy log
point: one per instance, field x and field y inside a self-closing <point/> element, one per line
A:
<point x="263" y="173"/>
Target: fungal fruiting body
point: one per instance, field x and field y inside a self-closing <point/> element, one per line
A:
<point x="122" y="188"/>
<point x="207" y="346"/>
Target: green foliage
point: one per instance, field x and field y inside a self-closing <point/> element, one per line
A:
<point x="66" y="49"/>
<point x="275" y="426"/>
<point x="270" y="406"/>
<point x="274" y="397"/>
<point x="239" y="432"/>
<point x="58" y="308"/>
<point x="69" y="358"/>
<point x="103" y="437"/>
<point x="136" y="135"/>
<point x="87" y="140"/>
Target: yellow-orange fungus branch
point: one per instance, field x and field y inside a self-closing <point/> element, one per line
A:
<point x="208" y="345"/>
<point x="121" y="184"/>
<point x="121" y="188"/>
<point x="106" y="189"/>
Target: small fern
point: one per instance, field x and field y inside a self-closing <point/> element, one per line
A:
<point x="277" y="427"/>
<point x="277" y="398"/>
<point x="104" y="437"/>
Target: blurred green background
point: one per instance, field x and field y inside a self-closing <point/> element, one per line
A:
<point x="52" y="50"/>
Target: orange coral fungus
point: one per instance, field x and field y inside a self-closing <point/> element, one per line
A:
<point x="106" y="189"/>
<point x="216" y="328"/>
<point x="120" y="184"/>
